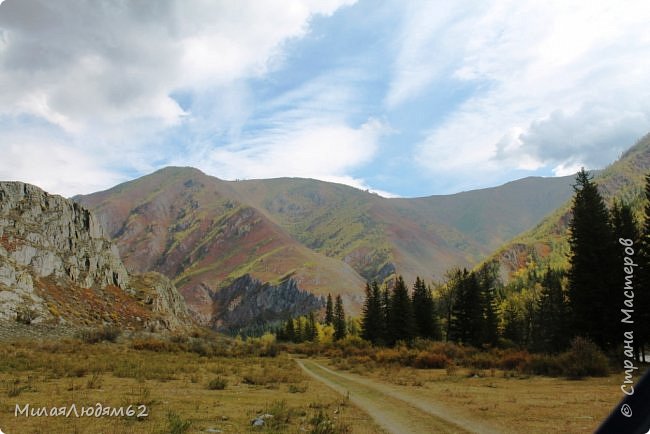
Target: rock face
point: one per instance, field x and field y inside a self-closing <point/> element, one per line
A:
<point x="247" y="302"/>
<point x="157" y="291"/>
<point x="56" y="265"/>
<point x="53" y="236"/>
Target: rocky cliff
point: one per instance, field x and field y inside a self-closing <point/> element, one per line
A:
<point x="247" y="302"/>
<point x="56" y="266"/>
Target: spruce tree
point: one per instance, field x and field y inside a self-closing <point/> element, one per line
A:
<point x="593" y="288"/>
<point x="424" y="311"/>
<point x="386" y="316"/>
<point x="329" y="311"/>
<point x="312" y="331"/>
<point x="299" y="330"/>
<point x="551" y="333"/>
<point x="448" y="293"/>
<point x="340" y="326"/>
<point x="402" y="323"/>
<point x="642" y="285"/>
<point x="290" y="331"/>
<point x="467" y="313"/>
<point x="626" y="228"/>
<point x="372" y="317"/>
<point x="513" y="323"/>
<point x="488" y="280"/>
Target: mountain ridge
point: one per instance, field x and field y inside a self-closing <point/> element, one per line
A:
<point x="205" y="233"/>
<point x="547" y="242"/>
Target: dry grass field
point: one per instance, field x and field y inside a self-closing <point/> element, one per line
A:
<point x="507" y="401"/>
<point x="211" y="385"/>
<point x="184" y="391"/>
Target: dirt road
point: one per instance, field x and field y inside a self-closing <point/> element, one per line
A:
<point x="392" y="409"/>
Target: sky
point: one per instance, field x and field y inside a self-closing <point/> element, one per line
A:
<point x="403" y="98"/>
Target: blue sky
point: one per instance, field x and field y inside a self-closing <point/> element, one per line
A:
<point x="405" y="98"/>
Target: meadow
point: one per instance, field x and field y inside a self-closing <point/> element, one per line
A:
<point x="191" y="385"/>
<point x="213" y="384"/>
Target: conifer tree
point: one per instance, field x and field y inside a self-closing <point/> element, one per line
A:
<point x="367" y="331"/>
<point x="593" y="288"/>
<point x="424" y="311"/>
<point x="467" y="313"/>
<point x="402" y="322"/>
<point x="290" y="331"/>
<point x="513" y="323"/>
<point x="550" y="333"/>
<point x="372" y="316"/>
<point x="299" y="329"/>
<point x="386" y="316"/>
<point x="448" y="293"/>
<point x="311" y="330"/>
<point x="340" y="325"/>
<point x="642" y="286"/>
<point x="488" y="281"/>
<point x="329" y="311"/>
<point x="626" y="228"/>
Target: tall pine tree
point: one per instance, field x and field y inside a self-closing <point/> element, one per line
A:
<point x="311" y="329"/>
<point x="426" y="324"/>
<point x="340" y="325"/>
<point x="489" y="281"/>
<point x="290" y="331"/>
<point x="386" y="314"/>
<point x="551" y="334"/>
<point x="402" y="323"/>
<point x="329" y="311"/>
<point x="642" y="288"/>
<point x="372" y="321"/>
<point x="467" y="312"/>
<point x="593" y="287"/>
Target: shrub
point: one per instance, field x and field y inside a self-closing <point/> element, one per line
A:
<point x="294" y="388"/>
<point x="281" y="416"/>
<point x="322" y="424"/>
<point x="427" y="360"/>
<point x="584" y="359"/>
<point x="25" y="314"/>
<point x="452" y="369"/>
<point x="105" y="333"/>
<point x="482" y="360"/>
<point x="386" y="355"/>
<point x="177" y="425"/>
<point x="543" y="364"/>
<point x="15" y="389"/>
<point x="512" y="361"/>
<point x="218" y="383"/>
<point x="198" y="347"/>
<point x="151" y="344"/>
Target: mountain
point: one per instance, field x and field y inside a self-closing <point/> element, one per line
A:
<point x="205" y="233"/>
<point x="547" y="242"/>
<point x="196" y="230"/>
<point x="57" y="267"/>
<point x="415" y="237"/>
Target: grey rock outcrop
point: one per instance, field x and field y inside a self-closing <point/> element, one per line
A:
<point x="56" y="264"/>
<point x="53" y="236"/>
<point x="167" y="304"/>
<point x="248" y="302"/>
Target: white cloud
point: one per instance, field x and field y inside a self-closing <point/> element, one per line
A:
<point x="311" y="149"/>
<point x="303" y="132"/>
<point x="57" y="167"/>
<point x="104" y="74"/>
<point x="556" y="84"/>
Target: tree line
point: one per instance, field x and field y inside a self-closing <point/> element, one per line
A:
<point x="307" y="329"/>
